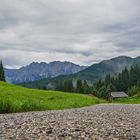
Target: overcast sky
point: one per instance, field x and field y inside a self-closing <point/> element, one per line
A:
<point x="80" y="31"/>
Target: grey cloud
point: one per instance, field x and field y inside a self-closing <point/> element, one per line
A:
<point x="82" y="31"/>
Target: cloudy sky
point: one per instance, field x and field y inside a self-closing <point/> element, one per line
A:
<point x="81" y="31"/>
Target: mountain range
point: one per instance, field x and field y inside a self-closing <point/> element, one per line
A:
<point x="37" y="71"/>
<point x="93" y="73"/>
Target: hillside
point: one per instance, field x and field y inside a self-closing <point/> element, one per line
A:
<point x="92" y="74"/>
<point x="127" y="81"/>
<point x="36" y="71"/>
<point x="18" y="99"/>
<point x="100" y="70"/>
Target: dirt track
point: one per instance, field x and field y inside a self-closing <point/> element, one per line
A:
<point x="105" y="122"/>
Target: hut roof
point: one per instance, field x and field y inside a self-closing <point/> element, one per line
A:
<point x="118" y="94"/>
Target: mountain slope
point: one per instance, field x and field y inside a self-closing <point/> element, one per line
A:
<point x="99" y="71"/>
<point x="36" y="71"/>
<point x="93" y="73"/>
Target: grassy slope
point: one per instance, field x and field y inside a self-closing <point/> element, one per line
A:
<point x="18" y="99"/>
<point x="130" y="100"/>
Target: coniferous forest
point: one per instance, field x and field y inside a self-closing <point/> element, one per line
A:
<point x="128" y="81"/>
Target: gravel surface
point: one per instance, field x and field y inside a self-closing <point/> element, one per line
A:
<point x="99" y="122"/>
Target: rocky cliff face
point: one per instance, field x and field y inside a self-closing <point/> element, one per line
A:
<point x="36" y="71"/>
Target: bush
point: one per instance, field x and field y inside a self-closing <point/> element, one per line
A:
<point x="134" y="90"/>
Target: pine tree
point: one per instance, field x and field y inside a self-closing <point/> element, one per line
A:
<point x="127" y="81"/>
<point x="107" y="80"/>
<point x="79" y="87"/>
<point x="60" y="86"/>
<point x="102" y="93"/>
<point x="2" y="75"/>
<point x="70" y="86"/>
<point x="86" y="88"/>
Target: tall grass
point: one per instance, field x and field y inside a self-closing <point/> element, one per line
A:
<point x="9" y="106"/>
<point x="18" y="99"/>
<point x="130" y="100"/>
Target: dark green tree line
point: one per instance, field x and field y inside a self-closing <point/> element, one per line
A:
<point x="2" y="76"/>
<point x="127" y="81"/>
<point x="68" y="86"/>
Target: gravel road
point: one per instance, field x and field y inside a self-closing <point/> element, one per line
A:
<point x="99" y="122"/>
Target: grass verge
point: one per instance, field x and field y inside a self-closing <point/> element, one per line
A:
<point x="18" y="99"/>
<point x="129" y="100"/>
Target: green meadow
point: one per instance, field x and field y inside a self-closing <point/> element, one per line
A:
<point x="18" y="99"/>
<point x="130" y="100"/>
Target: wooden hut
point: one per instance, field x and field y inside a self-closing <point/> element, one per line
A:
<point x="116" y="95"/>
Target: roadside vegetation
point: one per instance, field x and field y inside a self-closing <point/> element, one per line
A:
<point x="18" y="99"/>
<point x="130" y="100"/>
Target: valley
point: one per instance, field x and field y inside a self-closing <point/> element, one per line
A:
<point x="82" y="112"/>
<point x="70" y="70"/>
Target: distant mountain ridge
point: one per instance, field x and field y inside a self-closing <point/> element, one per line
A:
<point x="111" y="66"/>
<point x="93" y="73"/>
<point x="37" y="71"/>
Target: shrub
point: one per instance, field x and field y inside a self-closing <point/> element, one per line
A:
<point x="134" y="90"/>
